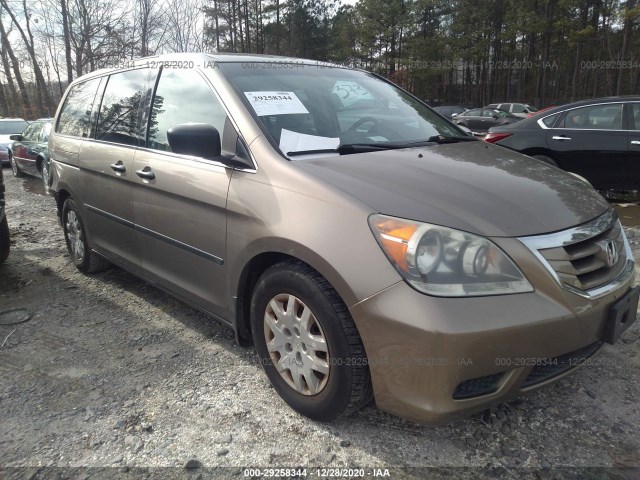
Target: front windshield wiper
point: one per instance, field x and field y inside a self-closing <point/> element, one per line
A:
<point x="348" y="148"/>
<point x="439" y="139"/>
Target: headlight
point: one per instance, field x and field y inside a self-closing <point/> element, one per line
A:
<point x="445" y="262"/>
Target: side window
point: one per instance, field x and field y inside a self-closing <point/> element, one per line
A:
<point x="118" y="120"/>
<point x="474" y="113"/>
<point x="635" y="115"/>
<point x="518" y="108"/>
<point x="551" y="119"/>
<point x="31" y="132"/>
<point x="488" y="113"/>
<point x="182" y="96"/>
<point x="595" y="117"/>
<point x="44" y="134"/>
<point x="75" y="117"/>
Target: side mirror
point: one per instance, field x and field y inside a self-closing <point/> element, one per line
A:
<point x="454" y="115"/>
<point x="16" y="138"/>
<point x="494" y="116"/>
<point x="197" y="139"/>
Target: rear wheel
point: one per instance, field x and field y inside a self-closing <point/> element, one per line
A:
<point x="75" y="236"/>
<point x="308" y="343"/>
<point x="545" y="159"/>
<point x="15" y="168"/>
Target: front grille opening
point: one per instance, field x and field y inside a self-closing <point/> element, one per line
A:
<point x="585" y="265"/>
<point x="553" y="367"/>
<point x="477" y="387"/>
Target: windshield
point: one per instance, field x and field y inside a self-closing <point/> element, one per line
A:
<point x="324" y="109"/>
<point x="12" y="126"/>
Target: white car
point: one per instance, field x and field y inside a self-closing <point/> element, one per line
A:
<point x="518" y="109"/>
<point x="8" y="127"/>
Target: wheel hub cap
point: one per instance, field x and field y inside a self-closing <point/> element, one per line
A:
<point x="296" y="343"/>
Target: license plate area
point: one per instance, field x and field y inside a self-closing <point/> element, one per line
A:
<point x="622" y="315"/>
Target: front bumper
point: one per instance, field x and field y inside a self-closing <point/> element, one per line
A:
<point x="423" y="351"/>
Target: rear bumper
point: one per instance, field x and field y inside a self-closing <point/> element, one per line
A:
<point x="430" y="357"/>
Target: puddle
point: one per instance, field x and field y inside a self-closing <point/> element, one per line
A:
<point x="33" y="185"/>
<point x="629" y="214"/>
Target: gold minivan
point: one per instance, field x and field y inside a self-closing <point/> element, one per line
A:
<point x="368" y="247"/>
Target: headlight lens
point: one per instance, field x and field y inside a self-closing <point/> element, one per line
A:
<point x="445" y="262"/>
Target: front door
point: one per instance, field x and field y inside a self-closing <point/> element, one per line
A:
<point x="180" y="201"/>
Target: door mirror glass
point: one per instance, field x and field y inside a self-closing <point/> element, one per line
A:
<point x="197" y="139"/>
<point x="16" y="138"/>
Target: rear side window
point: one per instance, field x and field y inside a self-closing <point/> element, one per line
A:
<point x="118" y="120"/>
<point x="182" y="96"/>
<point x="635" y="115"/>
<point x="595" y="117"/>
<point x="75" y="117"/>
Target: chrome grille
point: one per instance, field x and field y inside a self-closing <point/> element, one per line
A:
<point x="590" y="259"/>
<point x="589" y="264"/>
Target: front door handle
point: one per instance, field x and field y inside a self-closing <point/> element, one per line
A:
<point x="118" y="167"/>
<point x="635" y="142"/>
<point x="146" y="173"/>
<point x="555" y="137"/>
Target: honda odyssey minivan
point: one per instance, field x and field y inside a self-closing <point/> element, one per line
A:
<point x="364" y="244"/>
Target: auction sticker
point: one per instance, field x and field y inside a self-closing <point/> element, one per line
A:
<point x="275" y="103"/>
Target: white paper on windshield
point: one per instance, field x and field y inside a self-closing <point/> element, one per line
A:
<point x="275" y="103"/>
<point x="298" y="142"/>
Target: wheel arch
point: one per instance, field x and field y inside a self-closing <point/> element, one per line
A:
<point x="257" y="264"/>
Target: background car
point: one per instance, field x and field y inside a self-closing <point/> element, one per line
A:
<point x="481" y="120"/>
<point x="518" y="109"/>
<point x="597" y="139"/>
<point x="4" y="227"/>
<point x="450" y="111"/>
<point x="531" y="114"/>
<point x="8" y="127"/>
<point x="30" y="151"/>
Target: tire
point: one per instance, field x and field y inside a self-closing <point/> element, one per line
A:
<point x="44" y="172"/>
<point x="545" y="159"/>
<point x="15" y="168"/>
<point x="4" y="239"/>
<point x="346" y="385"/>
<point x="75" y="237"/>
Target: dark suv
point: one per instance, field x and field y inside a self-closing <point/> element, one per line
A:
<point x="4" y="227"/>
<point x="598" y="139"/>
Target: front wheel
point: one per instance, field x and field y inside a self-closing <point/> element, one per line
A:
<point x="75" y="236"/>
<point x="17" y="172"/>
<point x="308" y="343"/>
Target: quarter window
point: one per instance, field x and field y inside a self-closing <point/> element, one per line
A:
<point x="75" y="118"/>
<point x="118" y="120"/>
<point x="550" y="120"/>
<point x="182" y="96"/>
<point x="595" y="117"/>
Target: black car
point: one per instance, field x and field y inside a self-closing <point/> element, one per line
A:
<point x="482" y="119"/>
<point x="450" y="111"/>
<point x="4" y="227"/>
<point x="30" y="151"/>
<point x="597" y="139"/>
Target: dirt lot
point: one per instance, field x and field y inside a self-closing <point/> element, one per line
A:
<point x="110" y="372"/>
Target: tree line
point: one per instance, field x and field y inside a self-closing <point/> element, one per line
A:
<point x="467" y="52"/>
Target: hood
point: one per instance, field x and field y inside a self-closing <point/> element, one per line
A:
<point x="475" y="187"/>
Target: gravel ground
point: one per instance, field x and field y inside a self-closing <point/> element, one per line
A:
<point x="111" y="372"/>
